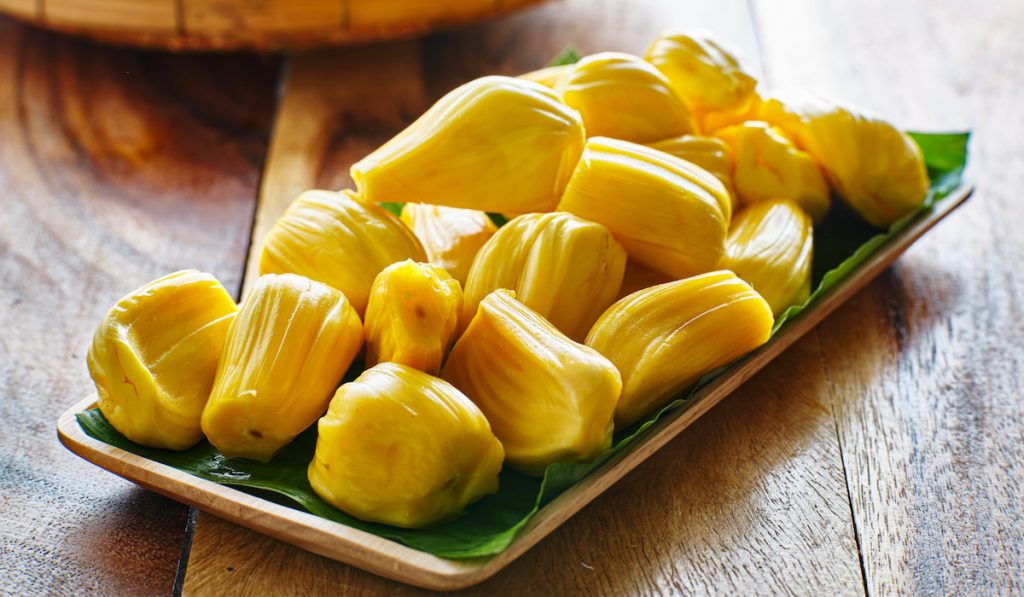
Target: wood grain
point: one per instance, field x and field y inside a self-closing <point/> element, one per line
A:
<point x="116" y="168"/>
<point x="727" y="490"/>
<point x="925" y="367"/>
<point x="144" y="15"/>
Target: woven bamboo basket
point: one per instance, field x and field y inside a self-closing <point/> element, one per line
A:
<point x="252" y="24"/>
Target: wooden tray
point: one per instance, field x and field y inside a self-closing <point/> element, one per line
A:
<point x="393" y="560"/>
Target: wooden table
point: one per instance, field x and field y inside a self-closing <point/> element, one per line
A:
<point x="883" y="453"/>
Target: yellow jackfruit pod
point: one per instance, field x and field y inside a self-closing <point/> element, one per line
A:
<point x="451" y="236"/>
<point x="412" y="316"/>
<point x="404" y="448"/>
<point x="878" y="169"/>
<point x="669" y="214"/>
<point x="623" y="97"/>
<point x="154" y="356"/>
<point x="768" y="166"/>
<point x="703" y="72"/>
<point x="496" y="144"/>
<point x="710" y="121"/>
<point x="770" y="246"/>
<point x="665" y="338"/>
<point x="336" y="239"/>
<point x="286" y="351"/>
<point x="548" y="399"/>
<point x="707" y="152"/>
<point x="550" y="76"/>
<point x="565" y="268"/>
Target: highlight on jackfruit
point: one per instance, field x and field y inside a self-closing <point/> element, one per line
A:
<point x="669" y="214"/>
<point x="549" y="76"/>
<point x="768" y="166"/>
<point x="710" y="153"/>
<point x="702" y="70"/>
<point x="451" y="236"/>
<point x="770" y="246"/>
<point x="286" y="351"/>
<point x="878" y="169"/>
<point x="154" y="356"/>
<point x="334" y="238"/>
<point x="623" y="97"/>
<point x="663" y="339"/>
<point x="496" y="144"/>
<point x="412" y="316"/>
<point x="565" y="268"/>
<point x="548" y="399"/>
<point x="401" y="447"/>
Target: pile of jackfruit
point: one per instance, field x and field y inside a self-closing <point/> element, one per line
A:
<point x="660" y="214"/>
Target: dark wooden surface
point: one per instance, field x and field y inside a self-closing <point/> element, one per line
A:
<point x="115" y="167"/>
<point x="881" y="454"/>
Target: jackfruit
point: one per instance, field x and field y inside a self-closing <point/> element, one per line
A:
<point x="548" y="399"/>
<point x="623" y="97"/>
<point x="668" y="213"/>
<point x="154" y="356"/>
<point x="451" y="236"/>
<point x="702" y="71"/>
<point x="496" y="144"/>
<point x="878" y="169"/>
<point x="336" y="239"/>
<point x="412" y="316"/>
<point x="404" y="448"/>
<point x="771" y="247"/>
<point x="707" y="152"/>
<point x="665" y="338"/>
<point x="290" y="345"/>
<point x="563" y="267"/>
<point x="768" y="166"/>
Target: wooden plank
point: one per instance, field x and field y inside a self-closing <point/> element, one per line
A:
<point x="149" y="15"/>
<point x="925" y="367"/>
<point x="698" y="516"/>
<point x="116" y="167"/>
<point x="236" y="17"/>
<point x="28" y="9"/>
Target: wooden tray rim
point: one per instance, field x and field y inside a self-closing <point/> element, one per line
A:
<point x="396" y="561"/>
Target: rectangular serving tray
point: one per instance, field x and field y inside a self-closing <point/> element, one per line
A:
<point x="396" y="561"/>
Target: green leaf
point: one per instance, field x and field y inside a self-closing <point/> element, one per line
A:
<point x="395" y="208"/>
<point x="843" y="243"/>
<point x="568" y="55"/>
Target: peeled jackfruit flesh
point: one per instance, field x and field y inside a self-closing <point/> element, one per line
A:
<point x="550" y="76"/>
<point x="768" y="166"/>
<point x="565" y="268"/>
<point x="412" y="316"/>
<point x="665" y="338"/>
<point x="451" y="236"/>
<point x="548" y="399"/>
<point x="771" y="247"/>
<point x="623" y="97"/>
<point x="496" y="144"/>
<point x="876" y="168"/>
<point x="154" y="356"/>
<point x="401" y="447"/>
<point x="709" y="153"/>
<point x="702" y="70"/>
<point x="336" y="239"/>
<point x="668" y="214"/>
<point x="286" y="351"/>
